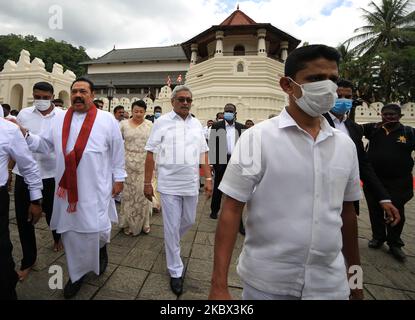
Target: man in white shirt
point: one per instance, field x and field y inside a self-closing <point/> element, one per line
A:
<point x="12" y="145"/>
<point x="35" y="119"/>
<point x="299" y="177"/>
<point x="178" y="141"/>
<point x="6" y="111"/>
<point x="89" y="173"/>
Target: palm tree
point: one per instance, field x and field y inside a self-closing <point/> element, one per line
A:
<point x="390" y="25"/>
<point x="390" y="29"/>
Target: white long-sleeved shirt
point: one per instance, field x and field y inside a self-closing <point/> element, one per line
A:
<point x="13" y="145"/>
<point x="32" y="120"/>
<point x="102" y="163"/>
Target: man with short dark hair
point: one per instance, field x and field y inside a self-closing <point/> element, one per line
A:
<point x="390" y="151"/>
<point x="58" y="103"/>
<point x="99" y="104"/>
<point x="89" y="173"/>
<point x="156" y="115"/>
<point x="35" y="118"/>
<point x="119" y="113"/>
<point x="301" y="228"/>
<point x="338" y="118"/>
<point x="223" y="136"/>
<point x="219" y="116"/>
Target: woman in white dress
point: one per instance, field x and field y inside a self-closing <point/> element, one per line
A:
<point x="134" y="215"/>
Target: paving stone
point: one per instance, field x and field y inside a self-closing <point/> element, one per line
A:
<point x="371" y="275"/>
<point x="157" y="287"/>
<point x="99" y="281"/>
<point x="126" y="280"/>
<point x="122" y="240"/>
<point x="384" y="293"/>
<point x="35" y="286"/>
<point x="160" y="266"/>
<point x="156" y="220"/>
<point x="140" y="259"/>
<point x="106" y="294"/>
<point x="403" y="280"/>
<point x="195" y="290"/>
<point x="150" y="243"/>
<point x="87" y="292"/>
<point x="116" y="254"/>
<point x="45" y="258"/>
<point x="205" y="238"/>
<point x="157" y="231"/>
<point x="189" y="237"/>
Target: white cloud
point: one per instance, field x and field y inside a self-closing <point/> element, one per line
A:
<point x="98" y="25"/>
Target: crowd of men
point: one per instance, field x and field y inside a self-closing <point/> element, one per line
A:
<point x="70" y="165"/>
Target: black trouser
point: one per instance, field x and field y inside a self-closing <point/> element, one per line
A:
<point x="8" y="276"/>
<point x="217" y="194"/>
<point x="26" y="229"/>
<point x="400" y="195"/>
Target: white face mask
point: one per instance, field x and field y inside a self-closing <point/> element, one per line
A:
<point x="318" y="97"/>
<point x="42" y="105"/>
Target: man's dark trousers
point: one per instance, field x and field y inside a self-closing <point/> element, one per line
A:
<point x="26" y="229"/>
<point x="8" y="276"/>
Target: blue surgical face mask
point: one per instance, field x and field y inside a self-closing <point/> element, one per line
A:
<point x="342" y="106"/>
<point x="229" y="116"/>
<point x="157" y="115"/>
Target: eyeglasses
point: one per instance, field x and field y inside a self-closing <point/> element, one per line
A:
<point x="183" y="100"/>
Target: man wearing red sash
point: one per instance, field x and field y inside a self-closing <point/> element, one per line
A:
<point x="90" y="171"/>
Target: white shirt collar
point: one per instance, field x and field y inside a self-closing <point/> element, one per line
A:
<point x="229" y="125"/>
<point x="173" y="115"/>
<point x="285" y="121"/>
<point x="334" y="118"/>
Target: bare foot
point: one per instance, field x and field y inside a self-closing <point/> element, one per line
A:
<point x="127" y="232"/>
<point x="58" y="246"/>
<point x="23" y="273"/>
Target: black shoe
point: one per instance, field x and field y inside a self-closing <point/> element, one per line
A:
<point x="397" y="253"/>
<point x="103" y="259"/>
<point x="213" y="215"/>
<point x="71" y="289"/>
<point x="176" y="285"/>
<point x="242" y="229"/>
<point x="375" y="244"/>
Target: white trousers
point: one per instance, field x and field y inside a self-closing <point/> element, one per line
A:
<point x="250" y="293"/>
<point x="179" y="215"/>
<point x="82" y="251"/>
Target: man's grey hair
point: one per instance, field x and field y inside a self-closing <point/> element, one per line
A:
<point x="180" y="88"/>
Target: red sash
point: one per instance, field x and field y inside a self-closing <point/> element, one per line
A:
<point x="68" y="181"/>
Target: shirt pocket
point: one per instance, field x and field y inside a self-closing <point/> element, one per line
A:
<point x="338" y="179"/>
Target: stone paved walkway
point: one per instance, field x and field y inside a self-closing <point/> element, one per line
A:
<point x="137" y="265"/>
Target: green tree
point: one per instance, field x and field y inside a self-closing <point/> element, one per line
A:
<point x="50" y="51"/>
<point x="384" y="46"/>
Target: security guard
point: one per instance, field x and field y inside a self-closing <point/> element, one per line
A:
<point x="389" y="150"/>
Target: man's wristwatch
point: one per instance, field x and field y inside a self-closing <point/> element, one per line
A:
<point x="37" y="202"/>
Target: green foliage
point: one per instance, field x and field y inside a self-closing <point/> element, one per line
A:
<point x="50" y="51"/>
<point x="382" y="64"/>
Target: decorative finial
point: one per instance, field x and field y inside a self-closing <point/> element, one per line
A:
<point x="114" y="47"/>
<point x="237" y="7"/>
